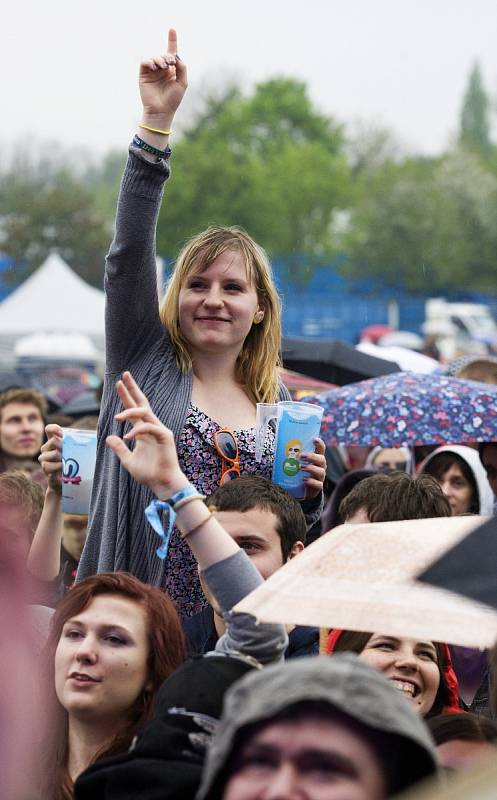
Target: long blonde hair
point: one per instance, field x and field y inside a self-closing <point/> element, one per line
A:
<point x="258" y="361"/>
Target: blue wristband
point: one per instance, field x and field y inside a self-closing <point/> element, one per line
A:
<point x="168" y="506"/>
<point x="188" y="491"/>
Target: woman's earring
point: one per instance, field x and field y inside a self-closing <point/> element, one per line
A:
<point x="258" y="317"/>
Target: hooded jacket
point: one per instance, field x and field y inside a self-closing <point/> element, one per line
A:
<point x="343" y="683"/>
<point x="472" y="459"/>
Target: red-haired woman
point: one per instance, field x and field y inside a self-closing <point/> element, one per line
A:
<point x="113" y="641"/>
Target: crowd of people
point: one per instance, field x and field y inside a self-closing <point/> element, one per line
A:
<point x="147" y="683"/>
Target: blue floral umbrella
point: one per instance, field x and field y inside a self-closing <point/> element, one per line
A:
<point x="408" y="408"/>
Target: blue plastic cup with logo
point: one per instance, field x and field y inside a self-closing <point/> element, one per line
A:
<point x="79" y="453"/>
<point x="297" y="425"/>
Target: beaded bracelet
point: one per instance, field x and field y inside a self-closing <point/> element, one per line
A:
<point x="162" y="155"/>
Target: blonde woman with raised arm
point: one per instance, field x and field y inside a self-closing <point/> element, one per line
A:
<point x="204" y="357"/>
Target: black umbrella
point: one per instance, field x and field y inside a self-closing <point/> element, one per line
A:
<point x="469" y="568"/>
<point x="333" y="361"/>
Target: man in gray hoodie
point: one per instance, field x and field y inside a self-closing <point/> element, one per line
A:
<point x="326" y="728"/>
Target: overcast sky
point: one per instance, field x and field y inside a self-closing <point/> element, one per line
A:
<point x="68" y="69"/>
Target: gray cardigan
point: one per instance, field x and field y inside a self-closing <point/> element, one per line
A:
<point x="119" y="538"/>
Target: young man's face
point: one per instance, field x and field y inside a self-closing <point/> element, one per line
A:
<point x="255" y="531"/>
<point x="310" y="758"/>
<point x="21" y="430"/>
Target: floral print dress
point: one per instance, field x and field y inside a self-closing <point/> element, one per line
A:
<point x="202" y="466"/>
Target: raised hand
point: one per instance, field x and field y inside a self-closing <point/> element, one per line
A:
<point x="163" y="82"/>
<point x="153" y="461"/>
<point x="50" y="457"/>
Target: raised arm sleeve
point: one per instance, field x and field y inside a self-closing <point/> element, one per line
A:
<point x="132" y="321"/>
<point x="230" y="581"/>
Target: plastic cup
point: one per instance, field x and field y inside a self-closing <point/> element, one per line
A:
<point x="297" y="426"/>
<point x="79" y="452"/>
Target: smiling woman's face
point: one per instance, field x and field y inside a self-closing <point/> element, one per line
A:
<point x="101" y="659"/>
<point x="217" y="306"/>
<point x="410" y="664"/>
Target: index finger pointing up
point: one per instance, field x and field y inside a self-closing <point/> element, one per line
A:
<point x="172" y="42"/>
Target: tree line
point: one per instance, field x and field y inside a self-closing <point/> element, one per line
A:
<point x="306" y="186"/>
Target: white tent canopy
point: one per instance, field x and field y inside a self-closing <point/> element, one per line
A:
<point x="54" y="300"/>
<point x="56" y="346"/>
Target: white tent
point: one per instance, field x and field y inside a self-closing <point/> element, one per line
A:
<point x="53" y="300"/>
<point x="56" y="346"/>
